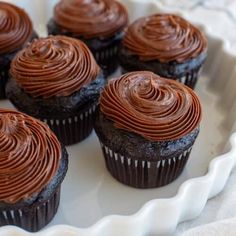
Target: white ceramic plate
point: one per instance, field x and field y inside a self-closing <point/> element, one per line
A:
<point x="96" y="204"/>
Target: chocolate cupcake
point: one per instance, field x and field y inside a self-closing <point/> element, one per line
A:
<point x="16" y="31"/>
<point x="57" y="80"/>
<point x="99" y="23"/>
<point x="147" y="126"/>
<point x="33" y="165"/>
<point x="165" y="44"/>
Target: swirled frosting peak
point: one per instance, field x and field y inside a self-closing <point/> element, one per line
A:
<point x="164" y="37"/>
<point x="29" y="157"/>
<point x="15" y="28"/>
<point x="156" y="108"/>
<point x="54" y="66"/>
<point x="91" y="18"/>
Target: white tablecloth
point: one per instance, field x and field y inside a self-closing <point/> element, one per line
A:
<point x="221" y="211"/>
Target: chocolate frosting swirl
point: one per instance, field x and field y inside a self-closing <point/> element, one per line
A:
<point x="91" y="18"/>
<point x="54" y="66"/>
<point x="158" y="109"/>
<point x="29" y="157"/>
<point x="164" y="37"/>
<point x="15" y="28"/>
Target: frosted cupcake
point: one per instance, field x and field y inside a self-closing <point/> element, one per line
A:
<point x="147" y="126"/>
<point x="167" y="45"/>
<point x="99" y="23"/>
<point x="16" y="31"/>
<point x="57" y="80"/>
<point x="33" y="165"/>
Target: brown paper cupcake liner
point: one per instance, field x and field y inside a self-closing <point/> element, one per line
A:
<point x="144" y="174"/>
<point x="190" y="78"/>
<point x="107" y="58"/>
<point x="34" y="217"/>
<point x="3" y="81"/>
<point x="75" y="128"/>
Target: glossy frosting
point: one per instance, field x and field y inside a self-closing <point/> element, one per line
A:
<point x="15" y="28"/>
<point x="158" y="109"/>
<point x="91" y="18"/>
<point x="29" y="157"/>
<point x="54" y="66"/>
<point x="164" y="37"/>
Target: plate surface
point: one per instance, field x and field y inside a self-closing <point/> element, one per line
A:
<point x="89" y="193"/>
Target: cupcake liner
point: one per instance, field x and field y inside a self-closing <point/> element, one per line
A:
<point x="74" y="128"/>
<point x="107" y="58"/>
<point x="3" y="81"/>
<point x="144" y="174"/>
<point x="34" y="217"/>
<point x="191" y="77"/>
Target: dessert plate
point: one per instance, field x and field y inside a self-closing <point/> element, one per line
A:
<point x="95" y="204"/>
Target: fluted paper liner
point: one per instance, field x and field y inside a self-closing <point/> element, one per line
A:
<point x="107" y="58"/>
<point x="32" y="218"/>
<point x="144" y="174"/>
<point x="74" y="128"/>
<point x="3" y="81"/>
<point x="191" y="77"/>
